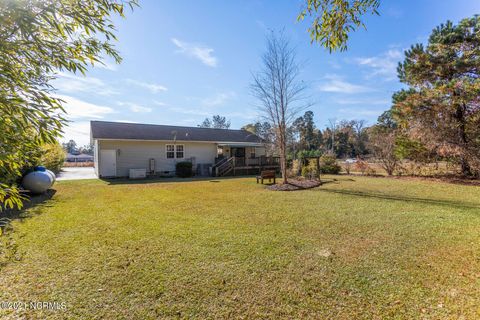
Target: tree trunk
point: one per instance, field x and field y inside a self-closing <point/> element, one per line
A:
<point x="460" y="115"/>
<point x="465" y="167"/>
<point x="283" y="158"/>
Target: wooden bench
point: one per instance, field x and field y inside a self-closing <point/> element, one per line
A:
<point x="266" y="174"/>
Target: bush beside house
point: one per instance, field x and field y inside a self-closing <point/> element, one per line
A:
<point x="184" y="169"/>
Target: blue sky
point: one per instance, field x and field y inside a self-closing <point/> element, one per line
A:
<point x="187" y="60"/>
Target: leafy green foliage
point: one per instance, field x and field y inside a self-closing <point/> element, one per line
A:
<point x="184" y="169"/>
<point x="303" y="154"/>
<point x="310" y="170"/>
<point x="38" y="39"/>
<point x="53" y="157"/>
<point x="333" y="20"/>
<point x="310" y="138"/>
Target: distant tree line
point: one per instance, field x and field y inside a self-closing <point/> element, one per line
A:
<point x="348" y="139"/>
<point x="72" y="148"/>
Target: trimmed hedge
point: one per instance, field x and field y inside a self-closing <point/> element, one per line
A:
<point x="184" y="169"/>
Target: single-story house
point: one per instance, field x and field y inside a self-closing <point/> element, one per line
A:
<point x="81" y="157"/>
<point x="120" y="148"/>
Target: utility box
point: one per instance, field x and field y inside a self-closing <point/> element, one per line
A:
<point x="151" y="166"/>
<point x="137" y="173"/>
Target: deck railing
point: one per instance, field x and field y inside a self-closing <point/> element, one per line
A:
<point x="262" y="161"/>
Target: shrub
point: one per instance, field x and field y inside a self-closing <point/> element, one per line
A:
<point x="362" y="166"/>
<point x="52" y="157"/>
<point x="329" y="165"/>
<point x="310" y="170"/>
<point x="184" y="169"/>
<point x="348" y="167"/>
<point x="371" y="171"/>
<point x="295" y="169"/>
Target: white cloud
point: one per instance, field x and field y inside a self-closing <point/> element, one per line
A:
<point x="135" y="107"/>
<point x="218" y="99"/>
<point x="194" y="112"/>
<point x="78" y="109"/>
<point x="107" y="66"/>
<point x="334" y="83"/>
<point x="152" y="87"/>
<point x="202" y="113"/>
<point x="159" y="103"/>
<point x="384" y="65"/>
<point x="78" y="131"/>
<point x="70" y="83"/>
<point x="200" y="52"/>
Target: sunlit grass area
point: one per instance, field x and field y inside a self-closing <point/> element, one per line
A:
<point x="354" y="248"/>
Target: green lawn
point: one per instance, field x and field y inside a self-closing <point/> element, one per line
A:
<point x="355" y="248"/>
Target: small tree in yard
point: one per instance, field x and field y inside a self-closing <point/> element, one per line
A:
<point x="279" y="91"/>
<point x="383" y="145"/>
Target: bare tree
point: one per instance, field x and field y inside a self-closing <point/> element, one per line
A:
<point x="383" y="145"/>
<point x="279" y="91"/>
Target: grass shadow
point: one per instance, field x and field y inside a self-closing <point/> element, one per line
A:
<point x="436" y="202"/>
<point x="169" y="180"/>
<point x="33" y="206"/>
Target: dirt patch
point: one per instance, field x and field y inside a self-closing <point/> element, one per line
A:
<point x="294" y="185"/>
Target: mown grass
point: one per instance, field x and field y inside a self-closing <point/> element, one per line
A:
<point x="355" y="248"/>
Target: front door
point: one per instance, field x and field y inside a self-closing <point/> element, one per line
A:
<point x="108" y="163"/>
<point x="238" y="152"/>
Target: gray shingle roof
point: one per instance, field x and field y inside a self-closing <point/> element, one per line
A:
<point x="135" y="131"/>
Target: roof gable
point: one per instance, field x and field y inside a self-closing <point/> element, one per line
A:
<point x="136" y="131"/>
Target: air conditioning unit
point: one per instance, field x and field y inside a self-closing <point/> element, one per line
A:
<point x="137" y="173"/>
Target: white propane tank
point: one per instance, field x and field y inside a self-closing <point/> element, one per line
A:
<point x="37" y="181"/>
<point x="54" y="177"/>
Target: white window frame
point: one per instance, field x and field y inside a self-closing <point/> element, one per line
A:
<point x="175" y="150"/>
<point x="167" y="151"/>
<point x="183" y="151"/>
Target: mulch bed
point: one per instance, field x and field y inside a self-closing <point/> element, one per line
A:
<point x="295" y="185"/>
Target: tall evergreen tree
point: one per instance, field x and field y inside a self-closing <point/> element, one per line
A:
<point x="442" y="107"/>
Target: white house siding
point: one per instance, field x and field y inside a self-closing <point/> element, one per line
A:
<point x="136" y="154"/>
<point x="95" y="157"/>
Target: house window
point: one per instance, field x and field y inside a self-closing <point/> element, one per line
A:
<point x="170" y="151"/>
<point x="180" y="151"/>
<point x="252" y="153"/>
